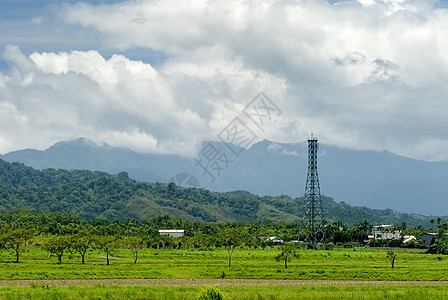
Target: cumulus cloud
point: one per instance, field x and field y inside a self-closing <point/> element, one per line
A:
<point x="367" y="74"/>
<point x="362" y="74"/>
<point x="48" y="97"/>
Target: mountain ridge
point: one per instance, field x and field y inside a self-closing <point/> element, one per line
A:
<point x="376" y="179"/>
<point x="117" y="197"/>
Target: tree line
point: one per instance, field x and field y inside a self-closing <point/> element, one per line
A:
<point x="61" y="233"/>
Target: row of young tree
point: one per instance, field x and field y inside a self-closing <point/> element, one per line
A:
<point x="18" y="240"/>
<point x="59" y="233"/>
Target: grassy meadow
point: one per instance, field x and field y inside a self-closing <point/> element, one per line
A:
<point x="338" y="265"/>
<point x="144" y="292"/>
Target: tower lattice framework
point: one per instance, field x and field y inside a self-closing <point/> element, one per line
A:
<point x="313" y="212"/>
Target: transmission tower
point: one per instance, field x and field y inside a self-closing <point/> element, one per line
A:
<point x="313" y="212"/>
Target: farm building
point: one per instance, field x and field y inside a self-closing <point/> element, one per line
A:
<point x="427" y="238"/>
<point x="275" y="240"/>
<point x="172" y="232"/>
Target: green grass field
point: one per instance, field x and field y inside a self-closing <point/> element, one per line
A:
<point x="119" y="292"/>
<point x="338" y="264"/>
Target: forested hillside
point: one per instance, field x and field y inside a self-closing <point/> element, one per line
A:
<point x="373" y="179"/>
<point x="116" y="197"/>
<point x="19" y="175"/>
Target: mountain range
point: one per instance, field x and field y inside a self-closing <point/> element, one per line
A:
<point x="99" y="195"/>
<point x="379" y="180"/>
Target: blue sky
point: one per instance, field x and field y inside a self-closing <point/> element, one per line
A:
<point x="16" y="18"/>
<point x="163" y="76"/>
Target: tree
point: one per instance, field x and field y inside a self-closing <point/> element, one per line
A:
<point x="440" y="241"/>
<point x="341" y="237"/>
<point x="3" y="232"/>
<point x="56" y="244"/>
<point x="335" y="230"/>
<point x="360" y="232"/>
<point x="391" y="254"/>
<point x="81" y="242"/>
<point x="17" y="239"/>
<point x="289" y="251"/>
<point x="231" y="238"/>
<point x="135" y="243"/>
<point x="402" y="229"/>
<point x="106" y="243"/>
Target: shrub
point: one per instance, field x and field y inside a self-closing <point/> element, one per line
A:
<point x="210" y="293"/>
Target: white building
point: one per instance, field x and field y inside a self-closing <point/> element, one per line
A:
<point x="172" y="232"/>
<point x="386" y="232"/>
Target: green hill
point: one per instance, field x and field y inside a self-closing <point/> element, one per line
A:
<point x="116" y="197"/>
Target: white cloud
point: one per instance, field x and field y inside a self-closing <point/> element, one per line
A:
<point x="38" y="20"/>
<point x="361" y="74"/>
<point x="81" y="94"/>
<point x="274" y="147"/>
<point x="293" y="153"/>
<point x="49" y="97"/>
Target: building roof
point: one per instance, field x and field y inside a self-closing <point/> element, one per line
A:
<point x="384" y="226"/>
<point x="171" y="230"/>
<point x="428" y="233"/>
<point x="408" y="238"/>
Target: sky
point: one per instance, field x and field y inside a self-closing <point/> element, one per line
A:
<point x="164" y="76"/>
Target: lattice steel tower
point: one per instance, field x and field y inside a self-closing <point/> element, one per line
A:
<point x="313" y="212"/>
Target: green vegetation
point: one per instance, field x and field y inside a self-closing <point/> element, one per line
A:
<point x="231" y="238"/>
<point x="99" y="226"/>
<point x="81" y="241"/>
<point x="284" y="292"/>
<point x="337" y="264"/>
<point x="392" y="254"/>
<point x="15" y="240"/>
<point x="18" y="229"/>
<point x="288" y="252"/>
<point x="440" y="242"/>
<point x="211" y="293"/>
<point x="56" y="244"/>
<point x="92" y="195"/>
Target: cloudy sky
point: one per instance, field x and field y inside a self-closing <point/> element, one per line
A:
<point x="163" y="76"/>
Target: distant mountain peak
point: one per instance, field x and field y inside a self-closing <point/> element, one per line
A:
<point x="80" y="141"/>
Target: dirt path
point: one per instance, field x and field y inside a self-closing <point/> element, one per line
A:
<point x="218" y="282"/>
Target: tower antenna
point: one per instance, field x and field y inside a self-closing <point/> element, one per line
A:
<point x="313" y="212"/>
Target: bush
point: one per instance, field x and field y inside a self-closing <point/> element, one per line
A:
<point x="346" y="245"/>
<point x="210" y="293"/>
<point x="395" y="243"/>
